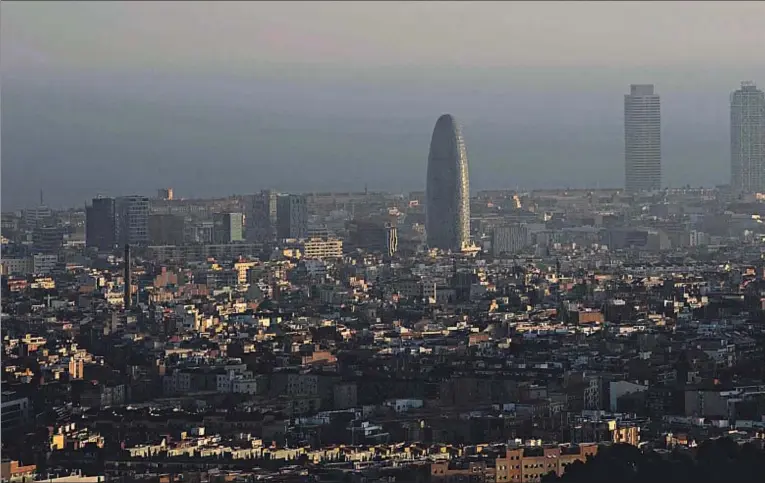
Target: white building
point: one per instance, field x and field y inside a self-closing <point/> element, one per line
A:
<point x="404" y="405"/>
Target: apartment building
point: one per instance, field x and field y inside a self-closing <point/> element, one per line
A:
<point x="528" y="465"/>
<point x="322" y="248"/>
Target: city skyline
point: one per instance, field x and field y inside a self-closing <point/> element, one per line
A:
<point x="594" y="179"/>
<point x="233" y="118"/>
<point x="256" y="254"/>
<point x="643" y="117"/>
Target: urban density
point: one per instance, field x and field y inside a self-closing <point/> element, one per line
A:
<point x="442" y="335"/>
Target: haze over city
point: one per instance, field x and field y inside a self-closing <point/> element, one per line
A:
<point x="223" y="98"/>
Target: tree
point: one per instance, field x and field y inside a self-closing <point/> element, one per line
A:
<point x="720" y="459"/>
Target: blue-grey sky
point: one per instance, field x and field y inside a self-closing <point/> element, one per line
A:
<point x="219" y="98"/>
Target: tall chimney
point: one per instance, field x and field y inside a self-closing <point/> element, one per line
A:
<point x="128" y="279"/>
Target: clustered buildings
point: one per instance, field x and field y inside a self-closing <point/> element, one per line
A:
<point x="581" y="319"/>
<point x="370" y="336"/>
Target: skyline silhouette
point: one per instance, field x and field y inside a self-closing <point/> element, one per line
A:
<point x="152" y="105"/>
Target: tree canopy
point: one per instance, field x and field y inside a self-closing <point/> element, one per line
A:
<point x="715" y="460"/>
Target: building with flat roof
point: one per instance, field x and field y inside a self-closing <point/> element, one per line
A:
<point x="642" y="139"/>
<point x="15" y="412"/>
<point x="260" y="213"/>
<point x="228" y="227"/>
<point x="100" y="227"/>
<point x="747" y="139"/>
<point x="132" y="220"/>
<point x="322" y="248"/>
<point x="291" y="216"/>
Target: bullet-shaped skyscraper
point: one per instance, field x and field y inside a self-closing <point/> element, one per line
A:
<point x="447" y="208"/>
<point x="747" y="139"/>
<point x="642" y="139"/>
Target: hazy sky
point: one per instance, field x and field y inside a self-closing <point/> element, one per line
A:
<point x="220" y="98"/>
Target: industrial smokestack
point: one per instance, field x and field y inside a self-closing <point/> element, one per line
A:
<point x="128" y="280"/>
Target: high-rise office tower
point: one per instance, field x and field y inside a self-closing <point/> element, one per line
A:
<point x="132" y="220"/>
<point x="447" y="209"/>
<point x="100" y="224"/>
<point x="747" y="139"/>
<point x="642" y="139"/>
<point x="260" y="216"/>
<point x="291" y="216"/>
<point x="228" y="227"/>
